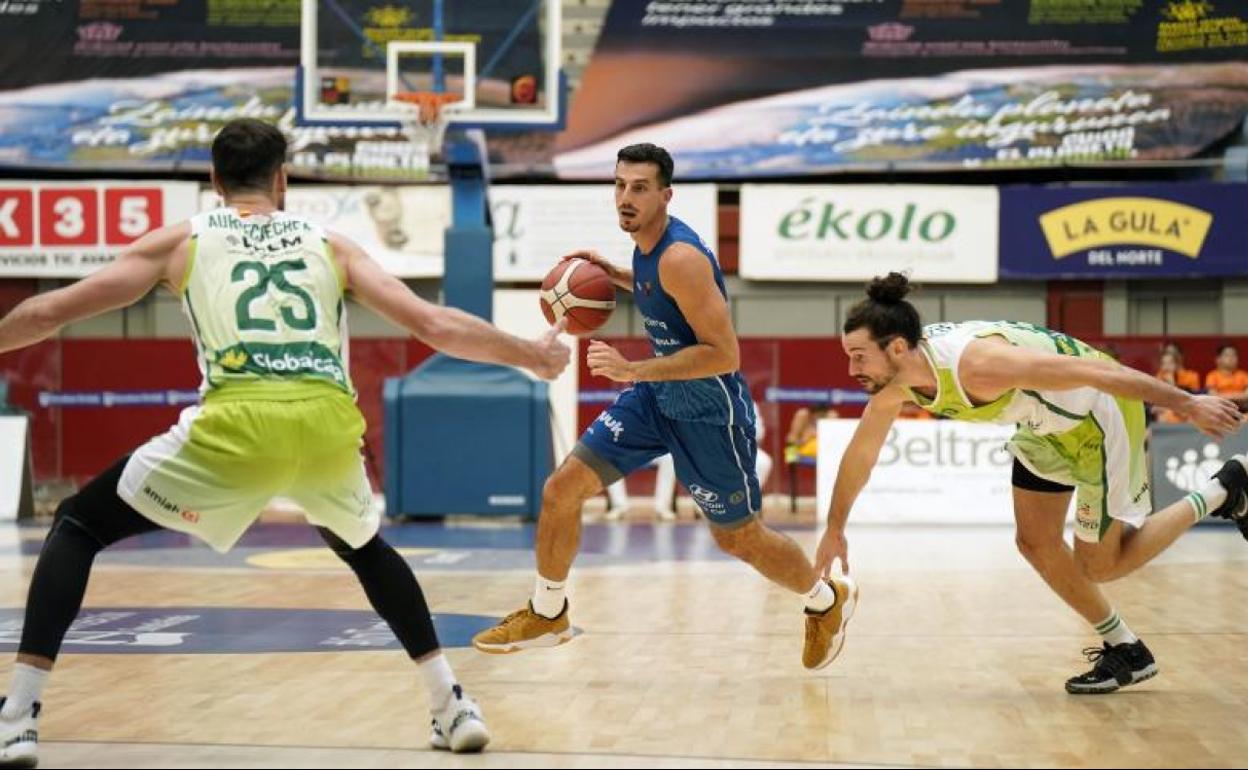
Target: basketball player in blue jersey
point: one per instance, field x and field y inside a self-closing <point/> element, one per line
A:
<point x="689" y="400"/>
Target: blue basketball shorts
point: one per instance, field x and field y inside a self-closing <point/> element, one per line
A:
<point x="714" y="462"/>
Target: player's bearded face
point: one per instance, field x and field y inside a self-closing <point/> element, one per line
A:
<point x="879" y="375"/>
<point x="871" y="364"/>
<point x="639" y="197"/>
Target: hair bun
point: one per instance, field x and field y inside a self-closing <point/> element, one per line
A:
<point x="890" y="289"/>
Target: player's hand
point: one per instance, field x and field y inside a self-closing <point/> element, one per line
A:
<point x="550" y="355"/>
<point x="1213" y="415"/>
<point x="606" y="361"/>
<point x="832" y="546"/>
<point x="613" y="272"/>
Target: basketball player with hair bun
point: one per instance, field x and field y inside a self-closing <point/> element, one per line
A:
<point x="1080" y="418"/>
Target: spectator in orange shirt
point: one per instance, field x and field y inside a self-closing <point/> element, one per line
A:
<point x="1170" y="369"/>
<point x="1228" y="380"/>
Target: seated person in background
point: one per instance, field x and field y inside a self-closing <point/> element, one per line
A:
<point x="1184" y="378"/>
<point x="1170" y="369"/>
<point x="1228" y="380"/>
<point x="802" y="440"/>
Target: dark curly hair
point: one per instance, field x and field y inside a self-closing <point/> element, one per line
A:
<point x="885" y="313"/>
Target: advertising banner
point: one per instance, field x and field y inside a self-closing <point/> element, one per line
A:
<point x="534" y="225"/>
<point x="1131" y="231"/>
<point x="939" y="234"/>
<point x="70" y="229"/>
<point x="1182" y="459"/>
<point x="768" y="89"/>
<point x="929" y="472"/>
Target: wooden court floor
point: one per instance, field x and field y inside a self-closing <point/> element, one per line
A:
<point x="268" y="657"/>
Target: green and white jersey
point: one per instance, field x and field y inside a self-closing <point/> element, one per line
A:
<point x="264" y="296"/>
<point x="1081" y="437"/>
<point x="1043" y="412"/>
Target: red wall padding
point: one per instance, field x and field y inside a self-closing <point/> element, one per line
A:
<point x="78" y="443"/>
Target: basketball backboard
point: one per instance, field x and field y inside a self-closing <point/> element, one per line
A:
<point x="501" y="57"/>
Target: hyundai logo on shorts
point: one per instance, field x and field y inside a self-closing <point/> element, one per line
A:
<point x="703" y="494"/>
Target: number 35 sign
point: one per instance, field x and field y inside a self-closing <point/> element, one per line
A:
<point x="69" y="229"/>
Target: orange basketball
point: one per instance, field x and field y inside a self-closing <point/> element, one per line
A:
<point x="580" y="291"/>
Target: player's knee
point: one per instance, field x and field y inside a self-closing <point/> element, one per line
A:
<point x="556" y="494"/>
<point x="67" y="523"/>
<point x="738" y="541"/>
<point x="1032" y="548"/>
<point x="1098" y="570"/>
<point x="568" y="486"/>
<point x="65" y="510"/>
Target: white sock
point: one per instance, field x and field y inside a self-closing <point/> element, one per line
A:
<point x="1207" y="498"/>
<point x="548" y="597"/>
<point x="1114" y="631"/>
<point x="25" y="690"/>
<point x="439" y="679"/>
<point x="820" y="598"/>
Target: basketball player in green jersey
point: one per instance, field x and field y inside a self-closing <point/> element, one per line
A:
<point x="1080" y="418"/>
<point x="264" y="292"/>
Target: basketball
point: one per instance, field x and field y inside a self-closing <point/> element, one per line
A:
<point x="580" y="291"/>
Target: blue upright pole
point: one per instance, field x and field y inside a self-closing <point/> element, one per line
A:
<point x="468" y="278"/>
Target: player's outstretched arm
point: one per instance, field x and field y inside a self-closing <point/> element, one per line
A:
<point x="855" y="469"/>
<point x="447" y="329"/>
<point x="138" y="268"/>
<point x="988" y="366"/>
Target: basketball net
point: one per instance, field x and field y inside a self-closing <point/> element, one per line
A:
<point x="429" y="114"/>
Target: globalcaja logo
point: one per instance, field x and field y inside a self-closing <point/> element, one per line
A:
<point x="234" y="359"/>
<point x="832" y="220"/>
<point x="301" y="358"/>
<point x="1101" y="222"/>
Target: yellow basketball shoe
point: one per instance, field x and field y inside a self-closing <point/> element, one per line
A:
<point x="523" y="629"/>
<point x="825" y="631"/>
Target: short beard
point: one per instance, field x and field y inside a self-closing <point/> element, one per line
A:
<point x="876" y="386"/>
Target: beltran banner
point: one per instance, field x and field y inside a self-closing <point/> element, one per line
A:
<point x="928" y="472"/>
<point x="1130" y="231"/>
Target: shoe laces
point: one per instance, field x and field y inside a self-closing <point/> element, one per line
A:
<point x="1107" y="658"/>
<point x="514" y="617"/>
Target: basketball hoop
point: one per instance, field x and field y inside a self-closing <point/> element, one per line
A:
<point x="430" y="112"/>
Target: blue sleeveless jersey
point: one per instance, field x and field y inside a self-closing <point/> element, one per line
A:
<point x="721" y="400"/>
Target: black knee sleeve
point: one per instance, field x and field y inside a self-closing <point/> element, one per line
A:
<point x="85" y="524"/>
<point x="392" y="589"/>
<point x="58" y="583"/>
